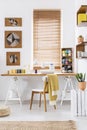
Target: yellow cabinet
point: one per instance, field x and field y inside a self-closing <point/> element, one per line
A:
<point x="82" y="16"/>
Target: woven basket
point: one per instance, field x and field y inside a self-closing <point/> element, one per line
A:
<point x="4" y="111"/>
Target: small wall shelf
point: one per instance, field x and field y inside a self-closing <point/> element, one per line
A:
<point x="80" y="50"/>
<point x="67" y="60"/>
<point x="82" y="16"/>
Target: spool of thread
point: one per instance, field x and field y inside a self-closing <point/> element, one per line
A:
<point x="18" y="70"/>
<point x="23" y="71"/>
<point x="13" y="71"/>
<point x="35" y="71"/>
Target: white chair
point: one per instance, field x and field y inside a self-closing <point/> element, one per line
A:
<point x="41" y="92"/>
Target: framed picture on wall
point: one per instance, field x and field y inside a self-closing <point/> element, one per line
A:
<point x="13" y="58"/>
<point x="13" y="39"/>
<point x="13" y="22"/>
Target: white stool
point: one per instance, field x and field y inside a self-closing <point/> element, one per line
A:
<point x="79" y="103"/>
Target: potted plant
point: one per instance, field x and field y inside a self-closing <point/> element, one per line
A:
<point x="81" y="80"/>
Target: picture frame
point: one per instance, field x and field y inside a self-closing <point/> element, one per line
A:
<point x="13" y="39"/>
<point x="12" y="58"/>
<point x="13" y="22"/>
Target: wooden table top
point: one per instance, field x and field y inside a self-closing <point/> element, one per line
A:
<point x="38" y="74"/>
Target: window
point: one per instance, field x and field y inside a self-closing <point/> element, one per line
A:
<point x="47" y="37"/>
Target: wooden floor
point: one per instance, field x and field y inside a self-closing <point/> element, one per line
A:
<point x="62" y="113"/>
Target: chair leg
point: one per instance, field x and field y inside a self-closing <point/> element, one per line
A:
<point x="54" y="106"/>
<point x="45" y="108"/>
<point x="31" y="101"/>
<point x="40" y="101"/>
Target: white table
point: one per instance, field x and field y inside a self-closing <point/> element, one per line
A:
<point x="15" y="78"/>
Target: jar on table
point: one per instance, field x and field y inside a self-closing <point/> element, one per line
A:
<point x="51" y="66"/>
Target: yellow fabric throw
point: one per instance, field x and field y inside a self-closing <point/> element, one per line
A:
<point x="52" y="88"/>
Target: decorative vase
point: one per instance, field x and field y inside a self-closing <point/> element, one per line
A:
<point x="80" y="39"/>
<point x="82" y="85"/>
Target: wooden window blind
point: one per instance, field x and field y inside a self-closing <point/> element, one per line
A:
<point x="47" y="41"/>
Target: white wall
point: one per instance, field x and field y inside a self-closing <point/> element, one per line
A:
<point x="24" y="9"/>
<point x="80" y="63"/>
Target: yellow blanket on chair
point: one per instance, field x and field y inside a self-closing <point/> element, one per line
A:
<point x="53" y="87"/>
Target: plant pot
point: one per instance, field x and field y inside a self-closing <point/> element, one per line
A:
<point x="82" y="85"/>
<point x="80" y="39"/>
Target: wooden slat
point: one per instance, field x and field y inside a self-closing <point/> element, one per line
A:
<point x="47" y="36"/>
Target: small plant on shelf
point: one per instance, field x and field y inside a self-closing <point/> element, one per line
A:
<point x="80" y="39"/>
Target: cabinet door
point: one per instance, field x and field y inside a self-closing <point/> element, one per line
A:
<point x="81" y="17"/>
